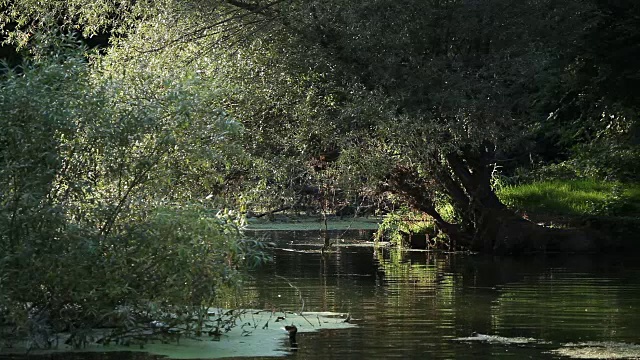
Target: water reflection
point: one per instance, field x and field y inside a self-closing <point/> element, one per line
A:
<point x="413" y="305"/>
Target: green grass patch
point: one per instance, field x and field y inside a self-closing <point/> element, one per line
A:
<point x="574" y="197"/>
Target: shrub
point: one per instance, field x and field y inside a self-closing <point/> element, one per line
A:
<point x="101" y="223"/>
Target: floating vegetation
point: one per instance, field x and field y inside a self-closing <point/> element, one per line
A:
<point x="306" y="224"/>
<point x="256" y="333"/>
<point x="599" y="350"/>
<point x="495" y="339"/>
<point x="583" y="350"/>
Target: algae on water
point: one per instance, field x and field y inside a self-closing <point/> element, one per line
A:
<point x="257" y="333"/>
<point x="583" y="350"/>
<point x="599" y="350"/>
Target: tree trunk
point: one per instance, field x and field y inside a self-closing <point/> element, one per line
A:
<point x="503" y="232"/>
<point x="487" y="225"/>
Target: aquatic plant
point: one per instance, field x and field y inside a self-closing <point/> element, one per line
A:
<point x="406" y="229"/>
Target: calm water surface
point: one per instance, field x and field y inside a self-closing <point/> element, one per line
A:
<point x="412" y="305"/>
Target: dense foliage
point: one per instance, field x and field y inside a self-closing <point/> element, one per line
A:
<point x="108" y="194"/>
<point x="592" y="130"/>
<point x="114" y="164"/>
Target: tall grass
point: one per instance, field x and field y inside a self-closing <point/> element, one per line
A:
<point x="574" y="197"/>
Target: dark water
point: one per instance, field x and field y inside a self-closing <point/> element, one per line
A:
<point x="412" y="305"/>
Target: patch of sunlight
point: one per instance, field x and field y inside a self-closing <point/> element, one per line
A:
<point x="257" y="333"/>
<point x="599" y="350"/>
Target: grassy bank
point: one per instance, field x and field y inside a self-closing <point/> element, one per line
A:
<point x="574" y="198"/>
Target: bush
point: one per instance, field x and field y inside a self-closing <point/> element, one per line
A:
<point x="101" y="222"/>
<point x="610" y="162"/>
<point x="397" y="227"/>
<point x="168" y="267"/>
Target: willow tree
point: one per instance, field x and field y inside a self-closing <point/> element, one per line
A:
<point x="427" y="96"/>
<point x="423" y="97"/>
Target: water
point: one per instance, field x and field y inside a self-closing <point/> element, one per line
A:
<point x="414" y="305"/>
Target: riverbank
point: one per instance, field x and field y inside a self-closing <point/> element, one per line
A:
<point x="574" y="198"/>
<point x="607" y="208"/>
<point x="610" y="210"/>
<point x="300" y="223"/>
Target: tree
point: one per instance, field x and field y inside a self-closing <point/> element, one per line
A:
<point x="442" y="90"/>
<point x="105" y="221"/>
<point x="423" y="96"/>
